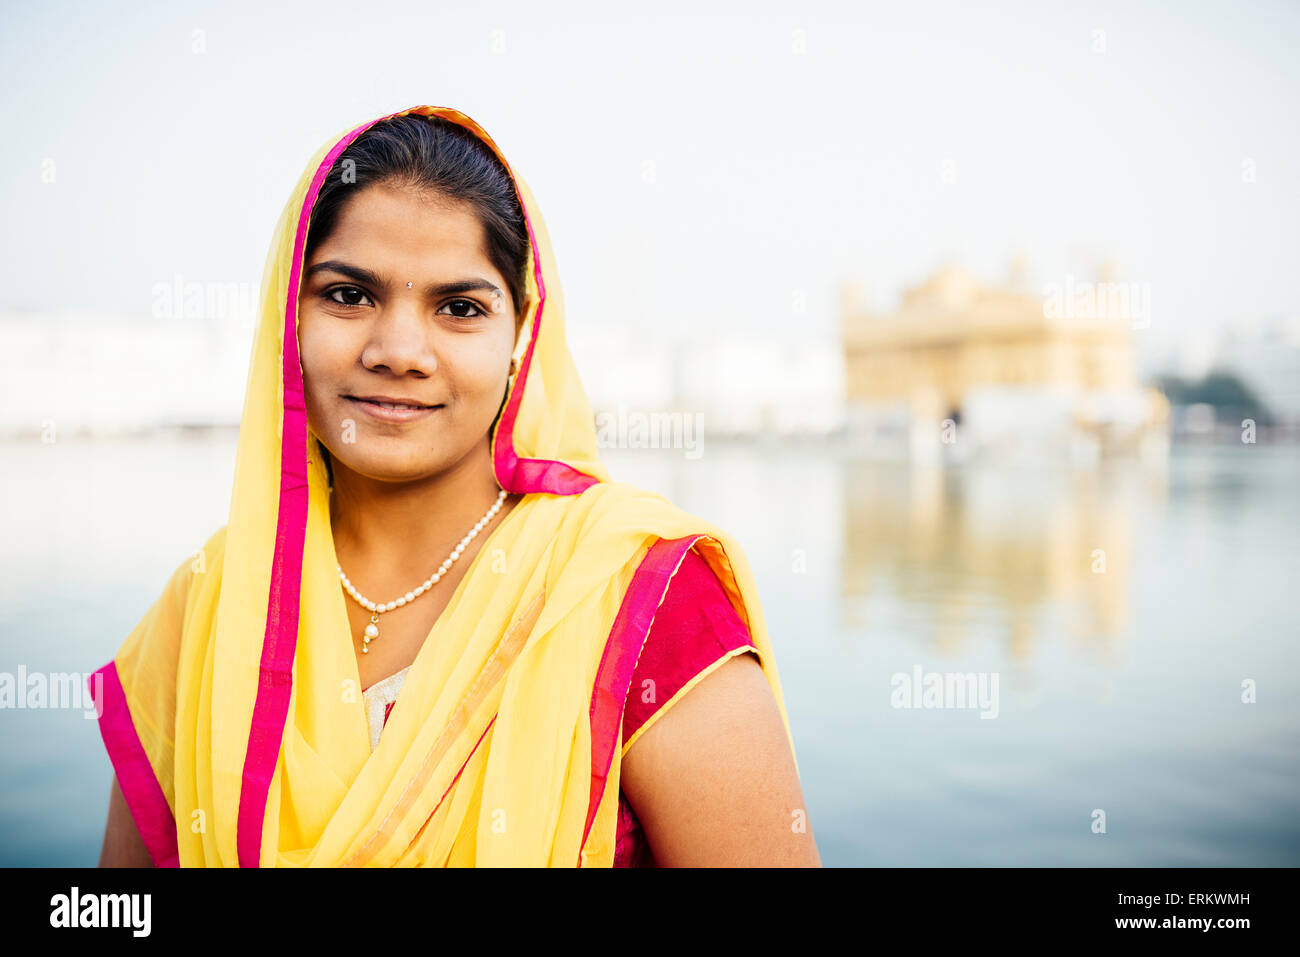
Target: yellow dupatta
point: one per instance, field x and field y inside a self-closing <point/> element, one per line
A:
<point x="232" y="713"/>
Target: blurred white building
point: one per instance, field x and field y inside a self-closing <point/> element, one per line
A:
<point x="741" y="385"/>
<point x="98" y="374"/>
<point x="77" y="372"/>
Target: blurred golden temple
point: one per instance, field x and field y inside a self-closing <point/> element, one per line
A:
<point x="963" y="370"/>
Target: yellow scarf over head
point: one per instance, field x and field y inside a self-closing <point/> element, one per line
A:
<point x="233" y="715"/>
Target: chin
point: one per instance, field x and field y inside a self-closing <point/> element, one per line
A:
<point x="404" y="470"/>
<point x="395" y="467"/>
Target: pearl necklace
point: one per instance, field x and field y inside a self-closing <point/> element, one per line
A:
<point x="372" y="629"/>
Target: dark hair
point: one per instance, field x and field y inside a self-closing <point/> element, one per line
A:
<point x="431" y="154"/>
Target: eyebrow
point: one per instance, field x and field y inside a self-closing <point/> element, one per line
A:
<point x="374" y="279"/>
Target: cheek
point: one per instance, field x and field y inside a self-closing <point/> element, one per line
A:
<point x="476" y="371"/>
<point x="307" y="342"/>
<point x="321" y="354"/>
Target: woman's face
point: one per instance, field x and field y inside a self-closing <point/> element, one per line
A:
<point x="401" y="301"/>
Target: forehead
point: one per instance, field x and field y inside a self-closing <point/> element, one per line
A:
<point x="391" y="224"/>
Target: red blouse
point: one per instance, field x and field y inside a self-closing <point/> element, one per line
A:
<point x="694" y="629"/>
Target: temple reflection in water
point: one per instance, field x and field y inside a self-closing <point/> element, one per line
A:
<point x="1016" y="553"/>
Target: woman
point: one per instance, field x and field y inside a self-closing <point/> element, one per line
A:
<point x="412" y="407"/>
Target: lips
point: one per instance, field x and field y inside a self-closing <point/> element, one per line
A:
<point x="392" y="409"/>
<point x="395" y="405"/>
<point x="389" y="402"/>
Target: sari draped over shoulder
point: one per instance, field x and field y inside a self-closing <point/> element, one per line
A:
<point x="233" y="713"/>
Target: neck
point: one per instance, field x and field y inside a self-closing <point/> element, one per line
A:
<point x="404" y="530"/>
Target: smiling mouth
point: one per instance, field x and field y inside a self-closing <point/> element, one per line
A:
<point x="397" y="406"/>
<point x="393" y="413"/>
<point x="391" y="405"/>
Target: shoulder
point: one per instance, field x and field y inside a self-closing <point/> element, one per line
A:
<point x="695" y="631"/>
<point x="158" y="635"/>
<point x="201" y="565"/>
<point x="725" y="703"/>
<point x="215" y="546"/>
<point x="205" y="560"/>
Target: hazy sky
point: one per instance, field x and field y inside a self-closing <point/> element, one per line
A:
<point x="793" y="145"/>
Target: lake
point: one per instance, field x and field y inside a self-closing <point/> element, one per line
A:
<point x="1113" y="619"/>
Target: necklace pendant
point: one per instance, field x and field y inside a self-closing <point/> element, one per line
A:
<point x="372" y="632"/>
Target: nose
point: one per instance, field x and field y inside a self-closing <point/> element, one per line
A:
<point x="400" y="341"/>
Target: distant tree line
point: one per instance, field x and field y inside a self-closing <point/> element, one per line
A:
<point x="1231" y="398"/>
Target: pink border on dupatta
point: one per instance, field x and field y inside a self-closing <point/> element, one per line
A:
<point x="614" y="675"/>
<point x="531" y="475"/>
<point x="135" y="775"/>
<point x="280" y="640"/>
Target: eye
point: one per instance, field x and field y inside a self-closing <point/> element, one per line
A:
<point x="346" y="290"/>
<point x="461" y="303"/>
